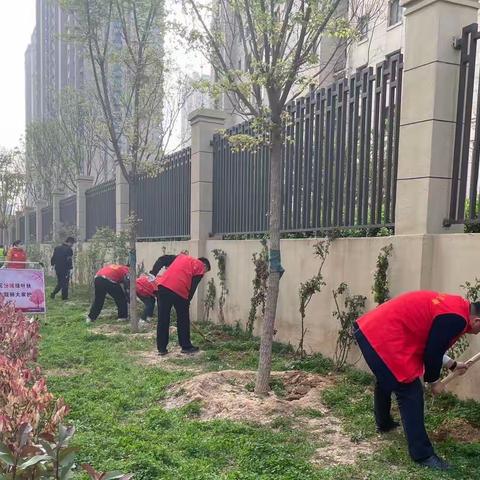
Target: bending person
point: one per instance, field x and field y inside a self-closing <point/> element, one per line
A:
<point x="176" y="288"/>
<point x="147" y="288"/>
<point x="111" y="280"/>
<point x="404" y="339"/>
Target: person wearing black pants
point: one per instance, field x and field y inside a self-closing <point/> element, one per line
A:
<point x="104" y="287"/>
<point x="63" y="263"/>
<point x="149" y="303"/>
<point x="176" y="288"/>
<point x="166" y="300"/>
<point x="407" y="338"/>
<point x="112" y="280"/>
<point x="410" y="402"/>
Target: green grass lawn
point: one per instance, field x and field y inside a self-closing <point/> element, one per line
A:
<point x="116" y="408"/>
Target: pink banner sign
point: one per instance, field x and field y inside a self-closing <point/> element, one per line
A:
<point x="25" y="288"/>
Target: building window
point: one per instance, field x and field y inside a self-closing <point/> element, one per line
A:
<point x="363" y="28"/>
<point x="394" y="12"/>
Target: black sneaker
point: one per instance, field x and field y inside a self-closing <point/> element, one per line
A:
<point x="190" y="350"/>
<point x="434" y="462"/>
<point x="388" y="428"/>
<point x="162" y="353"/>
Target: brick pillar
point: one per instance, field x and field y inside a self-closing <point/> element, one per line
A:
<point x="56" y="197"/>
<point x="204" y="124"/>
<point x="26" y="213"/>
<point x="17" y="226"/>
<point x="427" y="125"/>
<point x="38" y="211"/>
<point x="122" y="200"/>
<point x="83" y="184"/>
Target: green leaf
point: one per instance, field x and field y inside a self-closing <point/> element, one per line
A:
<point x="5" y="455"/>
<point x="113" y="476"/>
<point x="34" y="460"/>
<point x="65" y="434"/>
<point x="66" y="454"/>
<point x="48" y="448"/>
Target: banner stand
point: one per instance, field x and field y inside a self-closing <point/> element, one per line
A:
<point x="25" y="287"/>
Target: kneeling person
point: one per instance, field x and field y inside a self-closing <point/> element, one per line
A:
<point x="176" y="288"/>
<point x="111" y="280"/>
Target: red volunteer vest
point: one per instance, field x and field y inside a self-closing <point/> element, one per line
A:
<point x="398" y="330"/>
<point x="115" y="273"/>
<point x="17" y="254"/>
<point x="178" y="277"/>
<point x="146" y="287"/>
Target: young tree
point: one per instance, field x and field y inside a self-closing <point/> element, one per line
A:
<point x="65" y="146"/>
<point x="44" y="156"/>
<point x="124" y="42"/>
<point x="280" y="41"/>
<point x="12" y="185"/>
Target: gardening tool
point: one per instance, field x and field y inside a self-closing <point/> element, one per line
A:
<point x="455" y="374"/>
<point x="199" y="332"/>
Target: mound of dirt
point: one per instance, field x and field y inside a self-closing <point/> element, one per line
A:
<point x="228" y="395"/>
<point x="457" y="429"/>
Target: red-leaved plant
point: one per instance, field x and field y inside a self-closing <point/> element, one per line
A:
<point x="34" y="445"/>
<point x="19" y="335"/>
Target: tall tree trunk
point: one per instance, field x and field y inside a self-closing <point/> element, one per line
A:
<point x="133" y="253"/>
<point x="262" y="386"/>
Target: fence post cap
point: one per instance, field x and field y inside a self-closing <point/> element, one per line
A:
<point x="207" y="114"/>
<point x="84" y="178"/>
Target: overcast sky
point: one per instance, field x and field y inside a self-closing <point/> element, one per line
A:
<point x="17" y="20"/>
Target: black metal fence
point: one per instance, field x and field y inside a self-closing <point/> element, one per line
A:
<point x="22" y="229"/>
<point x="339" y="160"/>
<point x="47" y="224"/>
<point x="32" y="226"/>
<point x="100" y="202"/>
<point x="162" y="202"/>
<point x="464" y="199"/>
<point x="68" y="211"/>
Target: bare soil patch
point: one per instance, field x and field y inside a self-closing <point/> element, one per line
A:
<point x="457" y="429"/>
<point x="227" y="395"/>
<point x="121" y="329"/>
<point x="171" y="362"/>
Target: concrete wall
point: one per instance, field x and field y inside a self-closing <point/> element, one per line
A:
<point x="440" y="262"/>
<point x="382" y="40"/>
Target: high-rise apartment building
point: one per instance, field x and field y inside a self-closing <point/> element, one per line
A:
<point x="52" y="62"/>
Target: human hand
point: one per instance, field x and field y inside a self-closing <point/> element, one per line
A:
<point x="437" y="387"/>
<point x="461" y="368"/>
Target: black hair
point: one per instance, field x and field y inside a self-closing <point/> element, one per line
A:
<point x="16" y="243"/>
<point x="475" y="308"/>
<point x="206" y="263"/>
<point x="69" y="240"/>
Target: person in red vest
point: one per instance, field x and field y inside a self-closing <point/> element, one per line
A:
<point x="176" y="288"/>
<point x="114" y="281"/>
<point x="147" y="288"/>
<point x="16" y="256"/>
<point x="407" y="338"/>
